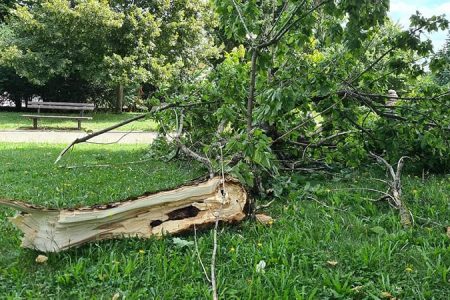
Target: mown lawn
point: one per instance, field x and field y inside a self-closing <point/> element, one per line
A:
<point x="374" y="257"/>
<point x="14" y="121"/>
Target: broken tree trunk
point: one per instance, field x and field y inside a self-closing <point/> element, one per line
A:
<point x="174" y="211"/>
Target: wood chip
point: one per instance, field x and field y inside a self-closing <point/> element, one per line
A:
<point x="332" y="263"/>
<point x="40" y="259"/>
<point x="116" y="296"/>
<point x="264" y="219"/>
<point x="357" y="288"/>
<point x="386" y="295"/>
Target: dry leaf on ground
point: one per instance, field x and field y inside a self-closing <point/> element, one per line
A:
<point x="386" y="295"/>
<point x="40" y="259"/>
<point x="332" y="263"/>
<point x="116" y="296"/>
<point x="264" y="219"/>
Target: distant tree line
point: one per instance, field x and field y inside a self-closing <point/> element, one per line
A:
<point x="114" y="53"/>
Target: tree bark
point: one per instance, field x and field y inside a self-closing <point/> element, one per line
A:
<point x="251" y="91"/>
<point x="174" y="211"/>
<point x="119" y="99"/>
<point x="18" y="104"/>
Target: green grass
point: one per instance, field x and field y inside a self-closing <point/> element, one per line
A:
<point x="13" y="121"/>
<point x="28" y="173"/>
<point x="373" y="253"/>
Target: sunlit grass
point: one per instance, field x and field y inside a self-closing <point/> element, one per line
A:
<point x="14" y="121"/>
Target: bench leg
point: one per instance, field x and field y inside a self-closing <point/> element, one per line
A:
<point x="79" y="124"/>
<point x="35" y="123"/>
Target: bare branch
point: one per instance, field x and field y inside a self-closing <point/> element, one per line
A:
<point x="198" y="255"/>
<point x="400" y="165"/>
<point x="289" y="23"/>
<point x="188" y="151"/>
<point x="285" y="5"/>
<point x="213" y="260"/>
<point x="251" y="92"/>
<point x="404" y="98"/>
<point x="106" y="165"/>
<point x="366" y="189"/>
<point x="242" y="19"/>
<point x="383" y="161"/>
<point x="395" y="190"/>
<point x="322" y="141"/>
<point x="154" y="109"/>
<point x="97" y="133"/>
<point x="305" y="122"/>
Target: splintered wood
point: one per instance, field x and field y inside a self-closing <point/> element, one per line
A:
<point x="173" y="211"/>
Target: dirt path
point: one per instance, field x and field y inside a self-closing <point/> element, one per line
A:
<point x="62" y="137"/>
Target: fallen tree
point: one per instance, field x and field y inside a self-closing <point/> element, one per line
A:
<point x="167" y="212"/>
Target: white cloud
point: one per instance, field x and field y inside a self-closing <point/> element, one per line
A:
<point x="401" y="10"/>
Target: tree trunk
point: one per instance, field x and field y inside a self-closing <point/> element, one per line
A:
<point x="51" y="230"/>
<point x="18" y="104"/>
<point x="119" y="99"/>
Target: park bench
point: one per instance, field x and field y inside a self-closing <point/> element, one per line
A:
<point x="81" y="107"/>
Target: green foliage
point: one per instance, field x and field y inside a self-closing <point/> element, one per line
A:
<point x="322" y="77"/>
<point x="56" y="186"/>
<point x="322" y="71"/>
<point x="105" y="44"/>
<point x="441" y="64"/>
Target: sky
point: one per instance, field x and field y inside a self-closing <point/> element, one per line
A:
<point x="401" y="10"/>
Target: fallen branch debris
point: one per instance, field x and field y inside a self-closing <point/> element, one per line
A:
<point x="394" y="194"/>
<point x="154" y="109"/>
<point x="97" y="133"/>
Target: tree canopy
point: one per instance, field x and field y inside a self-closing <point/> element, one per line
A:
<point x="105" y="43"/>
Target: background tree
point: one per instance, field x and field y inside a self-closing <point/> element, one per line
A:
<point x="441" y="64"/>
<point x="105" y="44"/>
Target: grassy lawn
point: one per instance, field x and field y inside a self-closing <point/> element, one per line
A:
<point x="13" y="120"/>
<point x="374" y="256"/>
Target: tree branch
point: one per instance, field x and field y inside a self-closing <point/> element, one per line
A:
<point x="289" y="24"/>
<point x="154" y="109"/>
<point x="97" y="133"/>
<point x="303" y="123"/>
<point x="251" y="93"/>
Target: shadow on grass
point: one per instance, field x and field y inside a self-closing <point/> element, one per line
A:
<point x="28" y="172"/>
<point x="52" y="128"/>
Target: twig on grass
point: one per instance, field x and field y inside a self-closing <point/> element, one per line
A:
<point x="216" y="225"/>
<point x="198" y="255"/>
<point x="262" y="206"/>
<point x="395" y="189"/>
<point x="213" y="259"/>
<point x="325" y="205"/>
